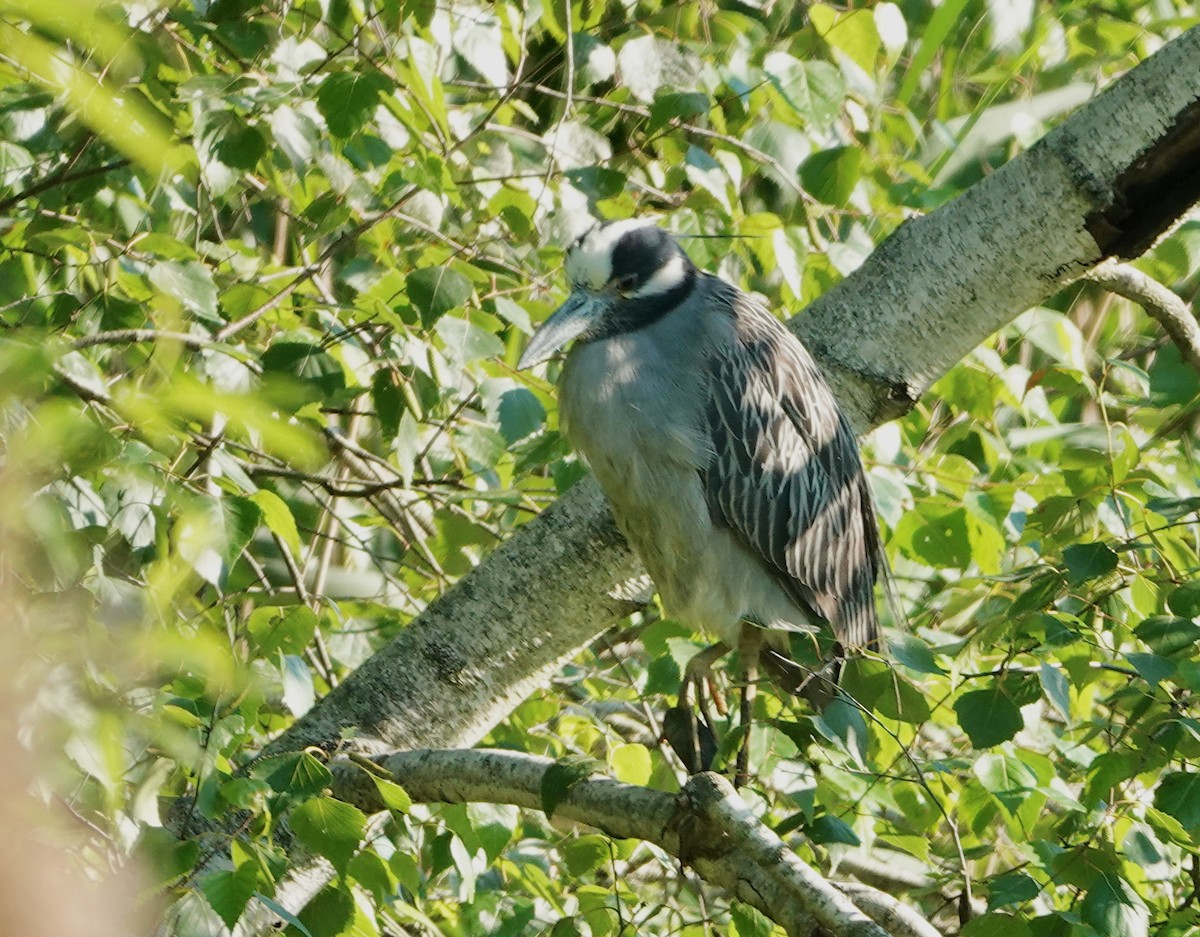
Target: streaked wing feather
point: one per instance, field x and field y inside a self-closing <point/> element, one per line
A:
<point x="787" y="478"/>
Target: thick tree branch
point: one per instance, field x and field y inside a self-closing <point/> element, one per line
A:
<point x="707" y="827"/>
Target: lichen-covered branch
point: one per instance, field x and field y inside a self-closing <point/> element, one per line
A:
<point x="707" y="827"/>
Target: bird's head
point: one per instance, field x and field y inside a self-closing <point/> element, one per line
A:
<point x="623" y="275"/>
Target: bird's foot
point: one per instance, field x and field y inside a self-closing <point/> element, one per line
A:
<point x="688" y="728"/>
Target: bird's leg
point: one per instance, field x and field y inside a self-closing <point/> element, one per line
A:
<point x="698" y="674"/>
<point x="749" y="646"/>
<point x="693" y="739"/>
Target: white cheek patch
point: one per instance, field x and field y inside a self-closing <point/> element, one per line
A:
<point x="665" y="279"/>
<point x="589" y="264"/>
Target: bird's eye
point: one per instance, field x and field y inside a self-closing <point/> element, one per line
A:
<point x="625" y="284"/>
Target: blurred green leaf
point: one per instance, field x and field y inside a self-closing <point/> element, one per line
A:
<point x="1111" y="906"/>
<point x="437" y="290"/>
<point x="988" y="716"/>
<point x="1086" y="561"/>
<point x="346" y="100"/>
<point x="831" y="175"/>
<point x="1178" y="796"/>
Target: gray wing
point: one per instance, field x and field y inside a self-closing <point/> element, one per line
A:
<point x="787" y="478"/>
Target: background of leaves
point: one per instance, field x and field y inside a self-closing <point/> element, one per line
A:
<point x="265" y="269"/>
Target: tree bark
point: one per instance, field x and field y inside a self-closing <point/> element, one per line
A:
<point x="707" y="827"/>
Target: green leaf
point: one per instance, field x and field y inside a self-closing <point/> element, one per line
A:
<point x="191" y="284"/>
<point x="1168" y="636"/>
<point x="296" y="135"/>
<point x="297" y="773"/>
<point x="307" y="363"/>
<point x="164" y="856"/>
<point x="1151" y="668"/>
<point x="630" y="763"/>
<point x="274" y="628"/>
<point x="1106" y="772"/>
<point x="677" y="106"/>
<point x="933" y="42"/>
<point x="212" y="537"/>
<point x="599" y="182"/>
<point x="585" y="854"/>
<point x="240" y="146"/>
<point x="394" y="796"/>
<point x="843" y="723"/>
<point x="563" y="775"/>
<point x="466" y="342"/>
<point x="1169" y="829"/>
<point x="815" y="89"/>
<point x="748" y="921"/>
<point x="330" y="914"/>
<point x="1086" y="561"/>
<point x="936" y="535"/>
<point x="389" y="401"/>
<point x="1011" y="888"/>
<point x="278" y="518"/>
<point x="479" y="42"/>
<point x="329" y="827"/>
<point x="830" y="829"/>
<point x="437" y="290"/>
<point x="229" y="891"/>
<point x="1114" y="909"/>
<point x="988" y="717"/>
<point x="831" y="175"/>
<point x="347" y="99"/>
<point x="910" y="651"/>
<point x="1005" y="777"/>
<point x="997" y="925"/>
<point x="851" y="32"/>
<point x="1057" y="689"/>
<point x="1185" y="600"/>
<point x="494" y="826"/>
<point x="521" y="414"/>
<point x="1178" y="796"/>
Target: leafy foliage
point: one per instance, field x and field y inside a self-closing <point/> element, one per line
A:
<point x="265" y="269"/>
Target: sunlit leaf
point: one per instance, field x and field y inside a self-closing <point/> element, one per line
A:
<point x="229" y="891"/>
<point x="329" y="827"/>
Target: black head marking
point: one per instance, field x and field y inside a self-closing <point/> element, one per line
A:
<point x="640" y="254"/>
<point x="648" y="260"/>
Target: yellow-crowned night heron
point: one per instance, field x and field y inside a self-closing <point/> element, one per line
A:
<point x="728" y="463"/>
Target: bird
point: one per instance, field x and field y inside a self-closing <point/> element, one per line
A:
<point x="728" y="463"/>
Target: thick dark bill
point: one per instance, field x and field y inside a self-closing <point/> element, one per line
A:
<point x="577" y="315"/>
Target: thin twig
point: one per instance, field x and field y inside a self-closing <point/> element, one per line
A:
<point x="135" y="336"/>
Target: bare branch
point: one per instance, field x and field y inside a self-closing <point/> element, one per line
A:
<point x="707" y="826"/>
<point x="1160" y="303"/>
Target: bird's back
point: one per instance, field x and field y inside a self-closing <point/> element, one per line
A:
<point x="787" y="476"/>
